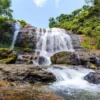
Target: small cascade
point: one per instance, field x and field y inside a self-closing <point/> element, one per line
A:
<point x="17" y="27"/>
<point x="72" y="78"/>
<point x="51" y="41"/>
<point x="98" y="61"/>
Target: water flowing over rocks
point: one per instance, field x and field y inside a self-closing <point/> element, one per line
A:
<point x="17" y="28"/>
<point x="31" y="37"/>
<point x="93" y="77"/>
<point x="24" y="73"/>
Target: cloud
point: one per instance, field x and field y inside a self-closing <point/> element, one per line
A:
<point x="39" y="3"/>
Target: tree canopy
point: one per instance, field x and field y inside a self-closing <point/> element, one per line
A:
<point x="94" y="2"/>
<point x="83" y="21"/>
<point x="5" y="8"/>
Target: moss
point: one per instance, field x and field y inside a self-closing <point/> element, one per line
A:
<point x="97" y="28"/>
<point x="7" y="55"/>
<point x="89" y="43"/>
<point x="98" y="43"/>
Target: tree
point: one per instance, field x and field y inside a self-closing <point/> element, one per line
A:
<point x="94" y="2"/>
<point x="63" y="18"/>
<point x="52" y="22"/>
<point x="76" y="12"/>
<point x="5" y="8"/>
<point x="85" y="7"/>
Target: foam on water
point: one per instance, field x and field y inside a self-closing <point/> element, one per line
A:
<point x="51" y="41"/>
<point x="72" y="78"/>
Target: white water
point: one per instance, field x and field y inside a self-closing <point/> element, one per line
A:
<point x="17" y="30"/>
<point x="51" y="41"/>
<point x="72" y="78"/>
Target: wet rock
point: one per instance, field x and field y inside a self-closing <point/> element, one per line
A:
<point x="39" y="77"/>
<point x="97" y="61"/>
<point x="27" y="73"/>
<point x="89" y="59"/>
<point x="42" y="60"/>
<point x="90" y="66"/>
<point x="26" y="59"/>
<point x="64" y="58"/>
<point x="93" y="77"/>
<point x="28" y="38"/>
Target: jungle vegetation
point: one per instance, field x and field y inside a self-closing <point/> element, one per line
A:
<point x="83" y="21"/>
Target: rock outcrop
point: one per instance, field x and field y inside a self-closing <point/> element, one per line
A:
<point x="24" y="73"/>
<point x="27" y="39"/>
<point x="86" y="58"/>
<point x="93" y="77"/>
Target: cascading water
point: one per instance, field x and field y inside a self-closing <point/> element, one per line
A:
<point x="71" y="79"/>
<point x="51" y="41"/>
<point x="17" y="27"/>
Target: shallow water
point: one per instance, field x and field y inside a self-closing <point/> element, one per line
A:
<point x="70" y="83"/>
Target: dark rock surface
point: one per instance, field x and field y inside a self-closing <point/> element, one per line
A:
<point x="93" y="77"/>
<point x="27" y="73"/>
<point x="27" y="39"/>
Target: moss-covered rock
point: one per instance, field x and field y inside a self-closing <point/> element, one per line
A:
<point x="7" y="56"/>
<point x="63" y="58"/>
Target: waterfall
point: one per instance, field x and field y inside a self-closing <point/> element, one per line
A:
<point x="17" y="27"/>
<point x="72" y="78"/>
<point x="51" y="41"/>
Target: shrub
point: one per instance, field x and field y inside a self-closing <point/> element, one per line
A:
<point x="98" y="43"/>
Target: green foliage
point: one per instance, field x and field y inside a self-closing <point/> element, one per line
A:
<point x="7" y="55"/>
<point x="22" y="22"/>
<point x="85" y="20"/>
<point x="89" y="42"/>
<point x="5" y="8"/>
<point x="6" y="30"/>
<point x="86" y="7"/>
<point x="97" y="28"/>
<point x="94" y="2"/>
<point x="98" y="42"/>
<point x="52" y="22"/>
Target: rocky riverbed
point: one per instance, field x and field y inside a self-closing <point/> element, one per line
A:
<point x="25" y="82"/>
<point x="25" y="73"/>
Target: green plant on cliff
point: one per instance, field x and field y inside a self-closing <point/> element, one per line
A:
<point x="7" y="56"/>
<point x="22" y="22"/>
<point x="6" y="31"/>
<point x="83" y="21"/>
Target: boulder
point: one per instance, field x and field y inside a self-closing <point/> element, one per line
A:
<point x="26" y="59"/>
<point x="64" y="58"/>
<point x="7" y="56"/>
<point x="93" y="77"/>
<point x="90" y="66"/>
<point x="87" y="59"/>
<point x="25" y="73"/>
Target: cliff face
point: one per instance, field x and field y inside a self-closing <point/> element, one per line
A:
<point x="27" y="38"/>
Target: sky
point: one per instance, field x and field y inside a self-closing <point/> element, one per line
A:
<point x="38" y="12"/>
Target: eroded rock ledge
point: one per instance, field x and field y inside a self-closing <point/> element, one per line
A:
<point x="89" y="59"/>
<point x="24" y="73"/>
